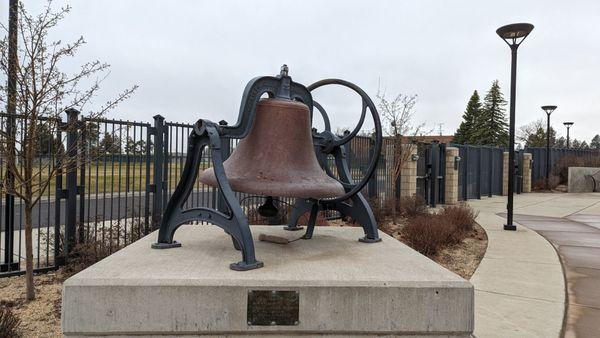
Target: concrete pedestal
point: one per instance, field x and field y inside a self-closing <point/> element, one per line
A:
<point x="342" y="287"/>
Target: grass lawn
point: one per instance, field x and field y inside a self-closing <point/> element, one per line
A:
<point x="108" y="176"/>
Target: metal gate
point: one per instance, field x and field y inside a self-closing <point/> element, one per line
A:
<point x="431" y="166"/>
<point x="480" y="171"/>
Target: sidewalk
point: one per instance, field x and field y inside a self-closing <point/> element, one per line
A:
<point x="520" y="285"/>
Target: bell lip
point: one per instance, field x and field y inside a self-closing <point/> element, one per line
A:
<point x="291" y="190"/>
<point x="280" y="189"/>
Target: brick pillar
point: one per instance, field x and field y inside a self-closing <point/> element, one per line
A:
<point x="505" y="174"/>
<point x="527" y="157"/>
<point x="451" y="185"/>
<point x="408" y="172"/>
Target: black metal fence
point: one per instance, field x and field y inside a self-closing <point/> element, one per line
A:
<point x="125" y="172"/>
<point x="560" y="157"/>
<point x="480" y="171"/>
<point x="116" y="190"/>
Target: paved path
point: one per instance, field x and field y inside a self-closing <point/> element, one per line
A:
<point x="520" y="286"/>
<point x="97" y="208"/>
<point x="577" y="240"/>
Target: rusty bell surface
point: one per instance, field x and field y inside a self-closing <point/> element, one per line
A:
<point x="277" y="157"/>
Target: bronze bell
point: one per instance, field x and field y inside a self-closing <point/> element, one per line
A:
<point x="277" y="158"/>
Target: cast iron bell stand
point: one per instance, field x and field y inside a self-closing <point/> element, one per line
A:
<point x="207" y="133"/>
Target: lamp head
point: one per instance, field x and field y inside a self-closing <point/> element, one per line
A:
<point x="515" y="33"/>
<point x="568" y="124"/>
<point x="548" y="109"/>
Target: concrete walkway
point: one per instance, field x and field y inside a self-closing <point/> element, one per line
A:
<point x="520" y="286"/>
<point x="577" y="240"/>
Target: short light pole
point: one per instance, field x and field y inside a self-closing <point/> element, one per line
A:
<point x="568" y="125"/>
<point x="513" y="35"/>
<point x="548" y="110"/>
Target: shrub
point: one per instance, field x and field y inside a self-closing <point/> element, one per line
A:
<point x="429" y="233"/>
<point x="412" y="206"/>
<point x="9" y="322"/>
<point x="540" y="184"/>
<point x="561" y="169"/>
<point x="104" y="241"/>
<point x="461" y="215"/>
<point x="382" y="209"/>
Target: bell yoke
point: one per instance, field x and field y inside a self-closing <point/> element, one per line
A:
<point x="278" y="155"/>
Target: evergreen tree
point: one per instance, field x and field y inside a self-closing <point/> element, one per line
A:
<point x="561" y="142"/>
<point x="490" y="126"/>
<point x="464" y="133"/>
<point x="584" y="145"/>
<point x="575" y="144"/>
<point x="595" y="143"/>
<point x="110" y="144"/>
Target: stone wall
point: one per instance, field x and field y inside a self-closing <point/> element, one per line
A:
<point x="408" y="172"/>
<point x="451" y="184"/>
<point x="527" y="158"/>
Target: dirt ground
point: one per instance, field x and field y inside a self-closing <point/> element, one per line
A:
<point x="41" y="317"/>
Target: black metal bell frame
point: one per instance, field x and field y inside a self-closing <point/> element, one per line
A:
<point x="230" y="216"/>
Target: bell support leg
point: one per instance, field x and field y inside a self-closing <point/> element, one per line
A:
<point x="359" y="210"/>
<point x="310" y="227"/>
<point x="169" y="223"/>
<point x="301" y="207"/>
<point x="240" y="230"/>
<point x="235" y="224"/>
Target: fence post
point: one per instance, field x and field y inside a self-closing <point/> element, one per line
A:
<point x="372" y="184"/>
<point x="408" y="172"/>
<point x="434" y="154"/>
<point x="58" y="196"/>
<point x="479" y="168"/>
<point x="465" y="180"/>
<point x="81" y="189"/>
<point x="71" y="190"/>
<point x="526" y="172"/>
<point x="490" y="171"/>
<point x="451" y="176"/>
<point x="148" y="184"/>
<point x="519" y="172"/>
<point x="159" y="158"/>
<point x="9" y="207"/>
<point x="505" y="168"/>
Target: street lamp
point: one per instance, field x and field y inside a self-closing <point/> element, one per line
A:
<point x="568" y="125"/>
<point x="513" y="35"/>
<point x="548" y="110"/>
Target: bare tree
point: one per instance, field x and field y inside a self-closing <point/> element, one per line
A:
<point x="533" y="134"/>
<point x="398" y="114"/>
<point x="43" y="93"/>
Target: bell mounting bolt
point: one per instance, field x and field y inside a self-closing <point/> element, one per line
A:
<point x="278" y="155"/>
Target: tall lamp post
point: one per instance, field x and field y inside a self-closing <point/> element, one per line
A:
<point x="513" y="35"/>
<point x="568" y="125"/>
<point x="548" y="110"/>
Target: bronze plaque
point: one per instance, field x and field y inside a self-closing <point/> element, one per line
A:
<point x="273" y="307"/>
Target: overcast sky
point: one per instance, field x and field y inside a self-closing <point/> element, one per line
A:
<point x="192" y="59"/>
